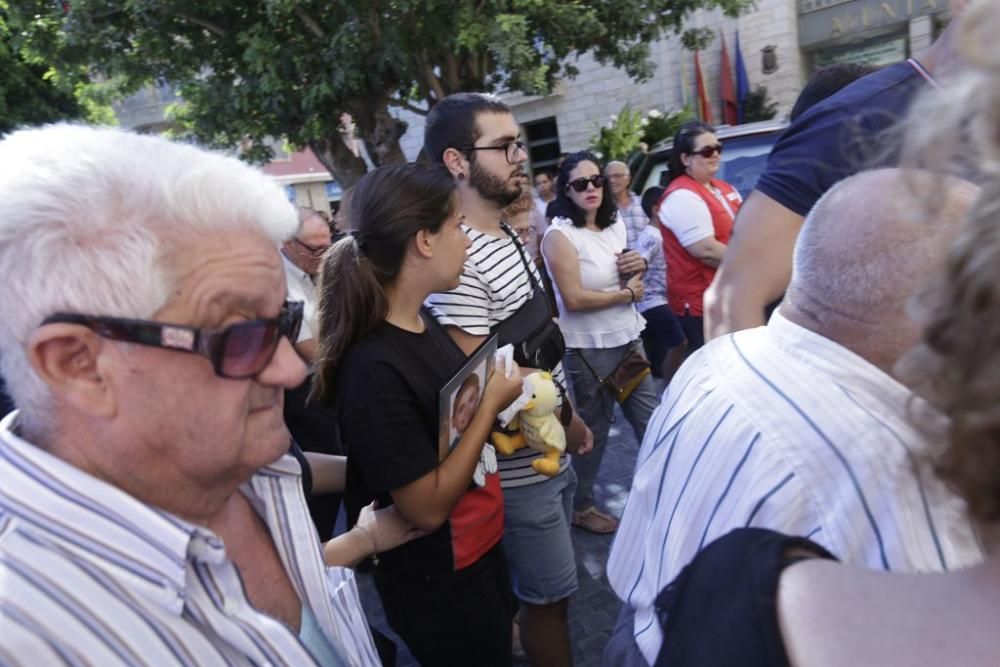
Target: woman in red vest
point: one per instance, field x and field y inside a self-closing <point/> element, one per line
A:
<point x="696" y="212"/>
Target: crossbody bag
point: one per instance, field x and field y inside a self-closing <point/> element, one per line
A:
<point x="531" y="330"/>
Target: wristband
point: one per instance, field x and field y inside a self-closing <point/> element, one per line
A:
<point x="632" y="299"/>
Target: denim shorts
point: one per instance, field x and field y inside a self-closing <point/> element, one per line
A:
<point x="537" y="540"/>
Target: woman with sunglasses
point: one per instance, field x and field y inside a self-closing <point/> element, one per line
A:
<point x="381" y="364"/>
<point x="697" y="213"/>
<point x="597" y="283"/>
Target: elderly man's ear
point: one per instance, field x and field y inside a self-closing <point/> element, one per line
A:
<point x="68" y="358"/>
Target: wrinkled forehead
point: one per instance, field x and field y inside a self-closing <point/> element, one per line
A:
<point x="222" y="274"/>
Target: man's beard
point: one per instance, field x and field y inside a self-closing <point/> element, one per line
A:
<point x="493" y="188"/>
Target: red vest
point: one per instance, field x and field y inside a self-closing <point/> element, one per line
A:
<point x="688" y="277"/>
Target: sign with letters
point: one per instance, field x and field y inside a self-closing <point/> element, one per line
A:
<point x="830" y="20"/>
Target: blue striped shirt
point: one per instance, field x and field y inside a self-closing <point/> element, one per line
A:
<point x="778" y="427"/>
<point x="89" y="575"/>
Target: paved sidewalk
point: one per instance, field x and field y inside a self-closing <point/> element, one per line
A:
<point x="594" y="608"/>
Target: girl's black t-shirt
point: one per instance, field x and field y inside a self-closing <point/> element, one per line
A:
<point x="387" y="407"/>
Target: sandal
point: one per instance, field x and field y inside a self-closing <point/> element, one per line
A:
<point x="595" y="521"/>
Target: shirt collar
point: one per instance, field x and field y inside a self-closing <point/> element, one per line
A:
<point x="149" y="547"/>
<point x="835" y="360"/>
<point x="292" y="270"/>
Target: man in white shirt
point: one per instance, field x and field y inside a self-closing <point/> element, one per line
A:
<point x="310" y="423"/>
<point x="301" y="256"/>
<point x="799" y="426"/>
<point x="149" y="514"/>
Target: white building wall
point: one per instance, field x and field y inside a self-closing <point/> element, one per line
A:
<point x="587" y="101"/>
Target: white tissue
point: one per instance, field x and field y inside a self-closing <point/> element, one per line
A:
<point x="507" y="415"/>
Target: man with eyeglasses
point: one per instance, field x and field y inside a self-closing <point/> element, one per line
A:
<point x="310" y="423"/>
<point x="477" y="138"/>
<point x="149" y="514"/>
<point x="629" y="205"/>
<point x="301" y="256"/>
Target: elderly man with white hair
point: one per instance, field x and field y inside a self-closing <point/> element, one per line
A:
<point x="799" y="426"/>
<point x="629" y="204"/>
<point x="148" y="512"/>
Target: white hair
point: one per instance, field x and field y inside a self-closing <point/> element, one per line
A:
<point x="617" y="163"/>
<point x="85" y="215"/>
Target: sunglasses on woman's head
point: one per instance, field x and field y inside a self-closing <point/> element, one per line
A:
<point x="237" y="352"/>
<point x="580" y="184"/>
<point x="708" y="151"/>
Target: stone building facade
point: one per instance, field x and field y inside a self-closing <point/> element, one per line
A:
<point x="800" y="35"/>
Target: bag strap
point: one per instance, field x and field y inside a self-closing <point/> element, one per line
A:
<point x="535" y="285"/>
<point x="590" y="368"/>
<point x="566" y="411"/>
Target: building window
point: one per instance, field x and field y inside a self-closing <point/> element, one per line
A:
<point x="543" y="143"/>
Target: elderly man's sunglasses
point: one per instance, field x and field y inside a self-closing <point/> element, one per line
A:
<point x="237" y="352"/>
<point x="708" y="151"/>
<point x="580" y="184"/>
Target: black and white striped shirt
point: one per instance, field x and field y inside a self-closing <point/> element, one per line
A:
<point x="494" y="285"/>
<point x="89" y="575"/>
<point x="778" y="427"/>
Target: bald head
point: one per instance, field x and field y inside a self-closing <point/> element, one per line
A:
<point x="865" y="249"/>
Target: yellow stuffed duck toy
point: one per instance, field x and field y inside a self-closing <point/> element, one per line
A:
<point x="537" y="425"/>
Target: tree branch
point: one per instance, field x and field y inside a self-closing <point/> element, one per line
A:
<point x="310" y="23"/>
<point x="213" y="28"/>
<point x="430" y="81"/>
<point x="403" y="104"/>
<point x="451" y="72"/>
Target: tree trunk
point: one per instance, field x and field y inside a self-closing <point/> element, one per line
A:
<point x="382" y="141"/>
<point x="346" y="167"/>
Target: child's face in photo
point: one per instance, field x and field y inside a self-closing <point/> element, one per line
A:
<point x="466" y="402"/>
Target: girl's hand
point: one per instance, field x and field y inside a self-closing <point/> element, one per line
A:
<point x="505" y="385"/>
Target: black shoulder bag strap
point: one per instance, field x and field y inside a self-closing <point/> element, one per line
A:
<point x="535" y="285"/>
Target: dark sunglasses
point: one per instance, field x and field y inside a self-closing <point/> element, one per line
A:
<point x="237" y="352"/>
<point x="580" y="184"/>
<point x="708" y="151"/>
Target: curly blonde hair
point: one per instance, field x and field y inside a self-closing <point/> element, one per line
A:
<point x="957" y="365"/>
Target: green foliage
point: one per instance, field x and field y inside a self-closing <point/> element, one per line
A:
<point x="29" y="93"/>
<point x="629" y="131"/>
<point x="660" y="126"/>
<point x="759" y="106"/>
<point x="292" y="68"/>
<point x="620" y="136"/>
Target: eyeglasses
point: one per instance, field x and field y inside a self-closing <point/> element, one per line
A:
<point x="313" y="250"/>
<point x="237" y="352"/>
<point x="580" y="184"/>
<point x="510" y="149"/>
<point x="708" y="151"/>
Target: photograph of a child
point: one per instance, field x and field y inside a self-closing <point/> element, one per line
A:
<point x="464" y="406"/>
<point x="460" y="397"/>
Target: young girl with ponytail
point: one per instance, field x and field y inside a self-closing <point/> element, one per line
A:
<point x="381" y="363"/>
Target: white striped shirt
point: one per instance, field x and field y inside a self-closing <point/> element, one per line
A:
<point x="494" y="285"/>
<point x="778" y="427"/>
<point x="89" y="575"/>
